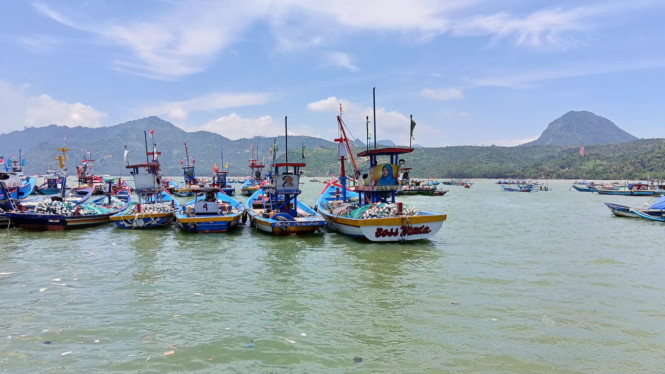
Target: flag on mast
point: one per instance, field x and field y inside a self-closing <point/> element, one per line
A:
<point x="582" y="151"/>
<point x="214" y="167"/>
<point x="152" y="132"/>
<point x="126" y="155"/>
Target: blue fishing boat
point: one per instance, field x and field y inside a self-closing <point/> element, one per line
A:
<point x="51" y="185"/>
<point x="219" y="178"/>
<point x="369" y="210"/>
<point x="155" y="206"/>
<point x="632" y="189"/>
<point x="211" y="211"/>
<point x="251" y="185"/>
<point x="54" y="213"/>
<point x="585" y="187"/>
<point x="656" y="210"/>
<point x="519" y="188"/>
<point x="184" y="189"/>
<point x="275" y="208"/>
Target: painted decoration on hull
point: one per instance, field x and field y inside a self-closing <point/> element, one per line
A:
<point x="385" y="175"/>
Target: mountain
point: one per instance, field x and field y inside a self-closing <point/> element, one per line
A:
<point x="385" y="143"/>
<point x="582" y="128"/>
<point x="39" y="147"/>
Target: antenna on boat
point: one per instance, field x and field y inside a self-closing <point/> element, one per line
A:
<point x="374" y="110"/>
<point x="145" y="136"/>
<point x="286" y="138"/>
<point x="367" y="127"/>
<point x="187" y="154"/>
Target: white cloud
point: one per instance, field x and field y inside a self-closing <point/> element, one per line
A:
<point x="442" y="94"/>
<point x="339" y="60"/>
<point x="234" y="127"/>
<point x="163" y="46"/>
<point x="19" y="109"/>
<point x="39" y="43"/>
<point x="178" y="110"/>
<point x="523" y="79"/>
<point x="391" y="124"/>
<point x="510" y="142"/>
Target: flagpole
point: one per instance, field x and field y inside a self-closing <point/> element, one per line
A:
<point x="303" y="152"/>
<point x="410" y="133"/>
<point x="286" y="139"/>
<point x="187" y="154"/>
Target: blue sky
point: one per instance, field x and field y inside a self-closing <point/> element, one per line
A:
<point x="469" y="71"/>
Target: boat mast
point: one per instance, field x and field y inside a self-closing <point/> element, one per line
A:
<point x="374" y="110"/>
<point x="286" y="139"/>
<point x="187" y="154"/>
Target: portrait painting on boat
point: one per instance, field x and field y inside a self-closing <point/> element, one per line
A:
<point x="385" y="175"/>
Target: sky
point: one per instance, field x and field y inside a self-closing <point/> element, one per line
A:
<point x="470" y="72"/>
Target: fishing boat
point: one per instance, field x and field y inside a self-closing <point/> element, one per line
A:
<point x="519" y="188"/>
<point x="457" y="182"/>
<point x="184" y="189"/>
<point x="54" y="213"/>
<point x="219" y="178"/>
<point x="86" y="178"/>
<point x="656" y="210"/>
<point x="411" y="187"/>
<point x="52" y="184"/>
<point x="632" y="189"/>
<point x="251" y="185"/>
<point x="369" y="210"/>
<point x="18" y="188"/>
<point x="210" y="211"/>
<point x="584" y="187"/>
<point x="275" y="207"/>
<point x="155" y="206"/>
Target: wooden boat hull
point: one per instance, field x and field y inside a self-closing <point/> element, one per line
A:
<point x="56" y="222"/>
<point x="386" y="229"/>
<point x="584" y="188"/>
<point x="211" y="224"/>
<point x="301" y="225"/>
<point x="626" y="192"/>
<point x="626" y="211"/>
<point x="143" y="220"/>
<point x="391" y="229"/>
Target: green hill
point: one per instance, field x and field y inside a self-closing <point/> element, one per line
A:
<point x="633" y="160"/>
<point x="582" y="128"/>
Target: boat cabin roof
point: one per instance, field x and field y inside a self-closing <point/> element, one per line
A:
<point x="205" y="189"/>
<point x="385" y="151"/>
<point x="221" y="172"/>
<point x="292" y="164"/>
<point x="150" y="165"/>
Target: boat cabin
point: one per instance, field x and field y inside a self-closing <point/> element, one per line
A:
<point x="380" y="184"/>
<point x="281" y="194"/>
<point x="207" y="202"/>
<point x="219" y="179"/>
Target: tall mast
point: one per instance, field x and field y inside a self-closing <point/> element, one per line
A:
<point x="374" y="110"/>
<point x="286" y="138"/>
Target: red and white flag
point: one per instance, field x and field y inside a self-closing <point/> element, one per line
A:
<point x="83" y="162"/>
<point x="152" y="132"/>
<point x="582" y="151"/>
<point x="192" y="160"/>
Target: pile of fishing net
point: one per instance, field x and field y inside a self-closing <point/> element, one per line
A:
<point x="150" y="208"/>
<point x="70" y="209"/>
<point x="376" y="210"/>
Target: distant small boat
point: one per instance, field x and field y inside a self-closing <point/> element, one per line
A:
<point x="655" y="212"/>
<point x="519" y="189"/>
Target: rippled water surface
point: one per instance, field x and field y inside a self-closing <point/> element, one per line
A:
<point x="547" y="282"/>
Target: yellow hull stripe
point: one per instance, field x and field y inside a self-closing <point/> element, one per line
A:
<point x="392" y="221"/>
<point x="140" y="216"/>
<point x="208" y="219"/>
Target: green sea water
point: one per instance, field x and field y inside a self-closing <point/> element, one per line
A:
<point x="547" y="282"/>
